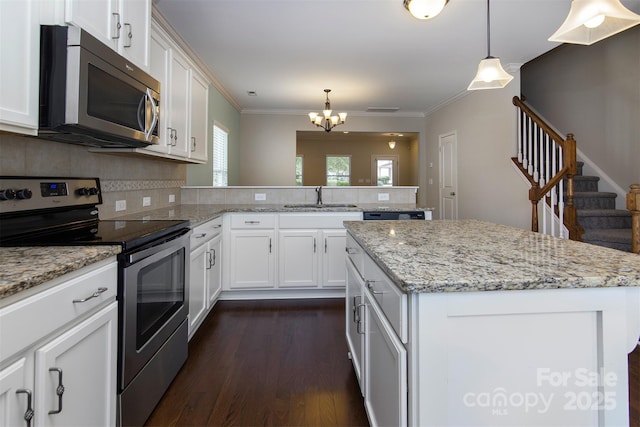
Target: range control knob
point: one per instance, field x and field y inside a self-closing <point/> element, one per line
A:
<point x="24" y="194"/>
<point x="8" y="194"/>
<point x="92" y="191"/>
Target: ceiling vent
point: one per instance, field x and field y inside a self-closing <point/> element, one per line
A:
<point x="382" y="109"/>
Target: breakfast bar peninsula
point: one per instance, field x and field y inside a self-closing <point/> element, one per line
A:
<point x="468" y="323"/>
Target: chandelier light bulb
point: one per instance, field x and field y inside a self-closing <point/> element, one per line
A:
<point x="594" y="22"/>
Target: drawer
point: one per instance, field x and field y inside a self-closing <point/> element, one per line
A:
<point x="251" y="221"/>
<point x="392" y="301"/>
<point x="317" y="220"/>
<point x="205" y="232"/>
<point x="356" y="254"/>
<point x="27" y="321"/>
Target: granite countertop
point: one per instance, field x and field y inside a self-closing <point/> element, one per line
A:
<point x="470" y="255"/>
<point x="24" y="268"/>
<point x="197" y="214"/>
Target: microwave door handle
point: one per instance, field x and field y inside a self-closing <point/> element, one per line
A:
<point x="141" y="114"/>
<point x="154" y="120"/>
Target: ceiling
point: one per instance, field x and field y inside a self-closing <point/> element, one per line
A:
<point x="371" y="53"/>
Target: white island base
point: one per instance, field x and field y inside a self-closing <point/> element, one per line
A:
<point x="555" y="357"/>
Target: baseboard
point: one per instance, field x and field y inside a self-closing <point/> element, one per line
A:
<point x="281" y="294"/>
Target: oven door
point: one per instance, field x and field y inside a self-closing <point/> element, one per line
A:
<point x="153" y="295"/>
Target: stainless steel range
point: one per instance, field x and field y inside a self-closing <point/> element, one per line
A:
<point x="153" y="270"/>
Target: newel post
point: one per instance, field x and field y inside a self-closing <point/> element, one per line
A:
<point x="570" y="162"/>
<point x="633" y="204"/>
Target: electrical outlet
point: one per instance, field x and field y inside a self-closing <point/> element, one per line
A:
<point x="383" y="196"/>
<point x="172" y="198"/>
<point x="121" y="205"/>
<point x="146" y="201"/>
<point x="260" y="196"/>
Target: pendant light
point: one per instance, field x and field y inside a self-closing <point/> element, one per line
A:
<point x="590" y="21"/>
<point x="490" y="73"/>
<point x="425" y="9"/>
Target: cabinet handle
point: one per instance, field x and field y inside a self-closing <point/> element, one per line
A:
<point x="209" y="260"/>
<point x="252" y="222"/>
<point x="351" y="251"/>
<point x="193" y="143"/>
<point x="314" y="245"/>
<point x="269" y="244"/>
<point x="325" y="245"/>
<point x="200" y="236"/>
<point x="28" y="414"/>
<point x="59" y="390"/>
<point x="96" y="294"/>
<point x="175" y="137"/>
<point x="359" y="322"/>
<point x="370" y="287"/>
<point x="115" y="28"/>
<point x="214" y="257"/>
<point x="356" y="312"/>
<point x="128" y="35"/>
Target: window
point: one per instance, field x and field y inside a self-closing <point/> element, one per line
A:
<point x="220" y="143"/>
<point x="385" y="172"/>
<point x="339" y="170"/>
<point x="299" y="161"/>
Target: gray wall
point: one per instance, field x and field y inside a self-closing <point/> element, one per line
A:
<point x="594" y="93"/>
<point x="225" y="114"/>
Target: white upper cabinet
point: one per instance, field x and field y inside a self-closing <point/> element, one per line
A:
<point x="124" y="25"/>
<point x="19" y="67"/>
<point x="199" y="115"/>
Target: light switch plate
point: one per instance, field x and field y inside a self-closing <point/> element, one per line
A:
<point x="260" y="196"/>
<point x="383" y="196"/>
<point x="146" y="201"/>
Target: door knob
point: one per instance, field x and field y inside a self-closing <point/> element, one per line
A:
<point x="452" y="193"/>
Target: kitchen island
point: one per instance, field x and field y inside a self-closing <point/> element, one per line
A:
<point x="472" y="323"/>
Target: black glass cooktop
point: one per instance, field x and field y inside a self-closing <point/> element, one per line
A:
<point x="127" y="233"/>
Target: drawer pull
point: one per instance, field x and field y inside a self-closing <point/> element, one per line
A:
<point x="351" y="251"/>
<point x="200" y="236"/>
<point x="59" y="390"/>
<point x="370" y="287"/>
<point x="359" y="322"/>
<point x="94" y="295"/>
<point x="28" y="414"/>
<point x="252" y="222"/>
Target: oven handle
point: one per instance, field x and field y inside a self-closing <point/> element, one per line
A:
<point x="158" y="247"/>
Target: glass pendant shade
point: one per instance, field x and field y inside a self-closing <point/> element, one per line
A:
<point x="392" y="144"/>
<point x="490" y="75"/>
<point x="425" y="9"/>
<point x="590" y="21"/>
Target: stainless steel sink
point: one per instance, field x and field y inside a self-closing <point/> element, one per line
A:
<point x="324" y="205"/>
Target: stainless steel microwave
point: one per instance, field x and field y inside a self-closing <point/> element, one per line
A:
<point x="91" y="95"/>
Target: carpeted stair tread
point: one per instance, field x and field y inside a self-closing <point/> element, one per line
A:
<point x="585" y="194"/>
<point x="616" y="235"/>
<point x="603" y="212"/>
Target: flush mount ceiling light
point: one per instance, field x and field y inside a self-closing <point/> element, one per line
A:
<point x="590" y="21"/>
<point x="425" y="9"/>
<point x="329" y="121"/>
<point x="490" y="73"/>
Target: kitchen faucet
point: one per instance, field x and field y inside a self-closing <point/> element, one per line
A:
<point x="319" y="191"/>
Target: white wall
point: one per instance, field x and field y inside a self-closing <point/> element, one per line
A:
<point x="268" y="143"/>
<point x="489" y="188"/>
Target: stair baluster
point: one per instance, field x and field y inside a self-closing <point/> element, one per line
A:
<point x="633" y="205"/>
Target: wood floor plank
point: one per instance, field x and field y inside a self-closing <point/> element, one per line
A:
<point x="266" y="363"/>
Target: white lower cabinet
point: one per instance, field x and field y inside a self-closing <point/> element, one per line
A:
<point x="354" y="321"/>
<point x="298" y="258"/>
<point x="59" y="353"/>
<point x="253" y="261"/>
<point x="205" y="275"/>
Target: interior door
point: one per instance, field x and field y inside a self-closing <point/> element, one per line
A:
<point x="448" y="144"/>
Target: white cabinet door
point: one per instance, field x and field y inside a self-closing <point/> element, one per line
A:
<point x="252" y="261"/>
<point x="386" y="370"/>
<point x="198" y="287"/>
<point x="159" y="68"/>
<point x="355" y="321"/>
<point x="298" y="258"/>
<point x="214" y="281"/>
<point x="16" y="394"/>
<point x="100" y="18"/>
<point x="177" y="118"/>
<point x="83" y="360"/>
<point x="133" y="43"/>
<point x="199" y="113"/>
<point x="334" y="258"/>
<point x="19" y="67"/>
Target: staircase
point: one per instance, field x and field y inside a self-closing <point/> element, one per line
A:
<point x="603" y="224"/>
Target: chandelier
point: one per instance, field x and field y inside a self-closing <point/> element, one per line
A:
<point x="329" y="121"/>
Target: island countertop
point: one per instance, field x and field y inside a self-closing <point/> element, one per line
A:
<point x="471" y="255"/>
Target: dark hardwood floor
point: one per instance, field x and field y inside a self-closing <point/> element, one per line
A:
<point x="280" y="363"/>
<point x="266" y="363"/>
